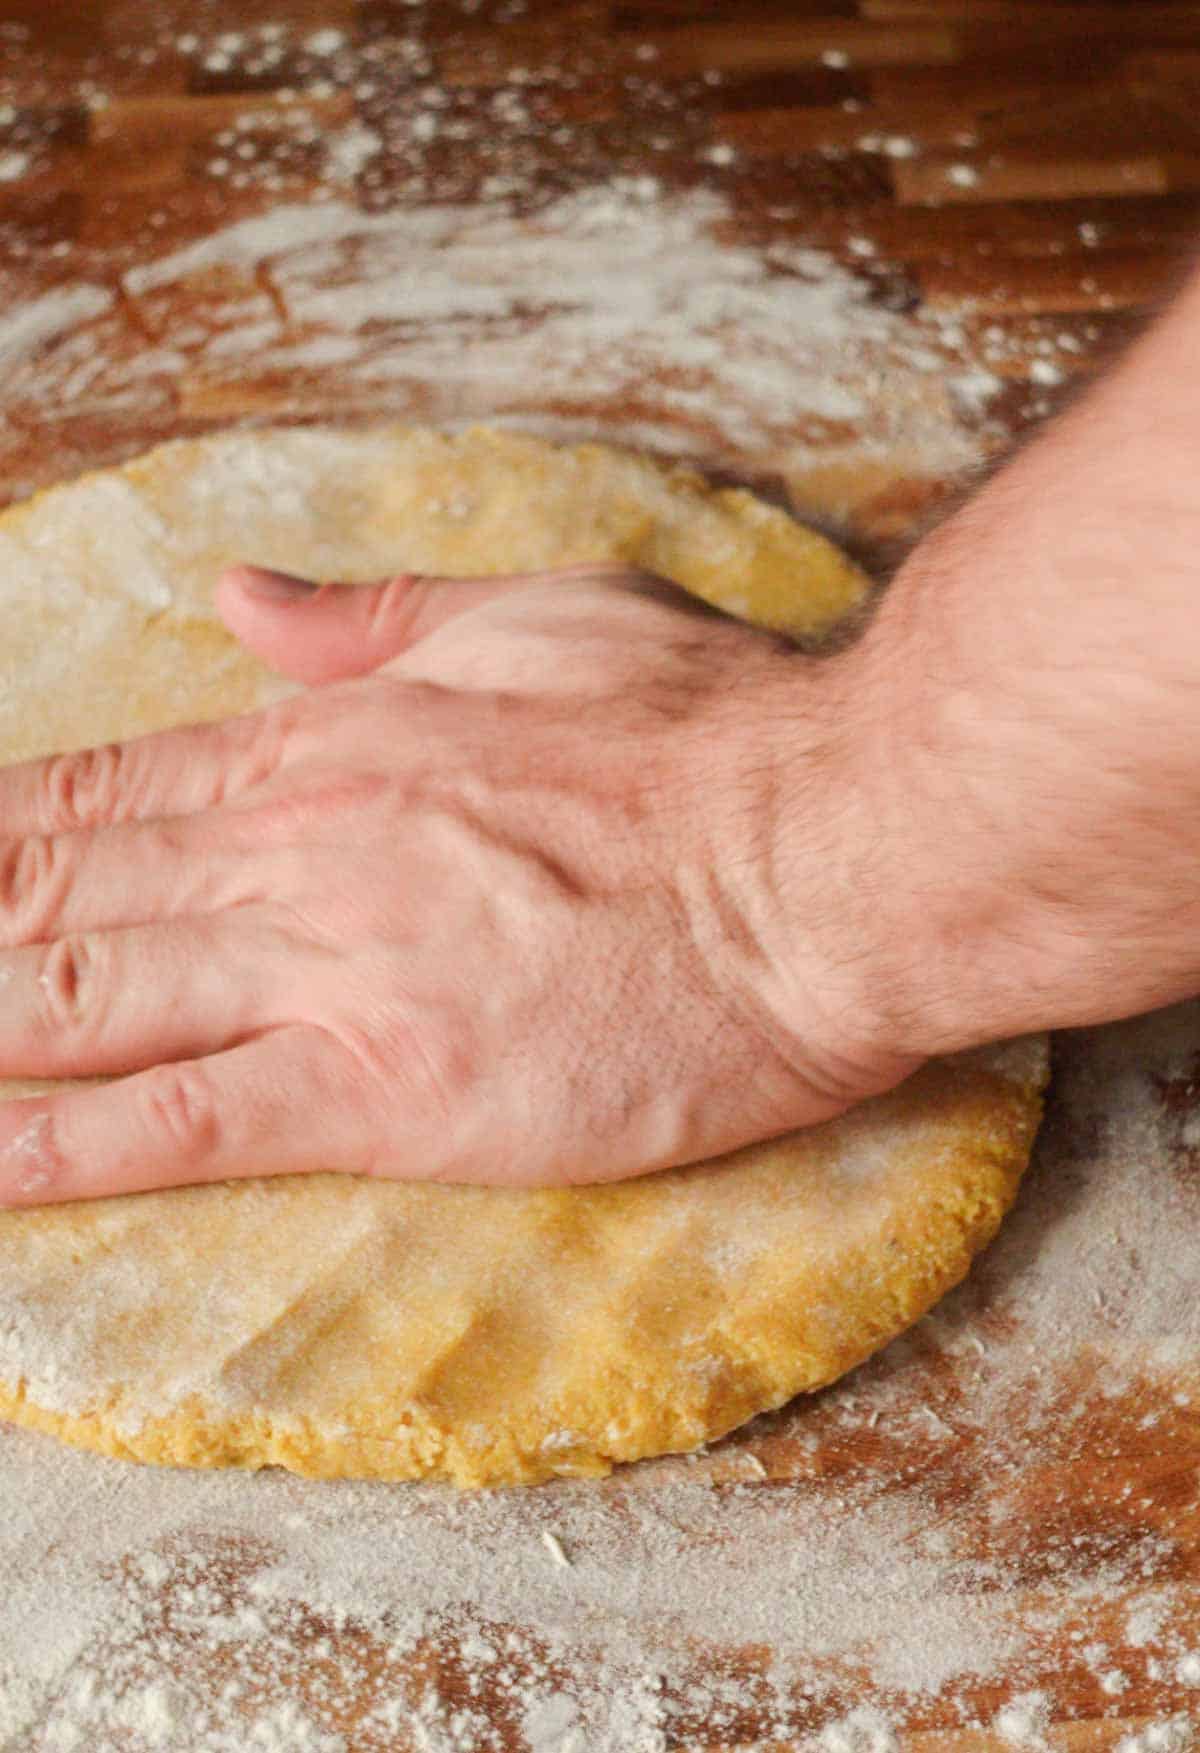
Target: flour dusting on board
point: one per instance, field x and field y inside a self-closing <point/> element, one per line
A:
<point x="918" y="1548"/>
<point x="621" y="309"/>
<point x="868" y="1552"/>
<point x="840" y="1570"/>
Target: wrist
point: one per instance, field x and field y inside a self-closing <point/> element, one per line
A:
<point x="838" y="882"/>
<point x="923" y="758"/>
<point x="1034" y="671"/>
<point x="1026" y="712"/>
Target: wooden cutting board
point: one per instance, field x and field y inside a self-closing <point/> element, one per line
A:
<point x="989" y="1536"/>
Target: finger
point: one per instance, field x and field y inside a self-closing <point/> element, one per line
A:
<point x="135" y="874"/>
<point x="106" y="1003"/>
<point x="172" y="772"/>
<point x="323" y="633"/>
<point x="282" y="1104"/>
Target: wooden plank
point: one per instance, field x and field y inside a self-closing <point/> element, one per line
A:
<point x="646" y="16"/>
<point x="1002" y="285"/>
<point x="794" y="88"/>
<point x="1087" y="230"/>
<point x="33" y="223"/>
<point x="154" y="143"/>
<point x="928" y="179"/>
<point x="1142" y="19"/>
<point x="771" y="47"/>
<point x="881" y="129"/>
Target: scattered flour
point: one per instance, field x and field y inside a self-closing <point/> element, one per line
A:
<point x="28" y="328"/>
<point x="325" y="42"/>
<point x="864" y="1731"/>
<point x="349" y="151"/>
<point x="231" y="1611"/>
<point x="620" y="308"/>
<point x="1175" y="1735"/>
<point x="685" y="340"/>
<point x="259" y="1614"/>
<point x="1023" y="1721"/>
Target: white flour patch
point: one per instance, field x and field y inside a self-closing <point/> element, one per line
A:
<point x="619" y="310"/>
<point x="27" y="328"/>
<point x="308" y="1596"/>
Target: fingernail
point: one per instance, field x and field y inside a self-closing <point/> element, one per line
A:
<point x="278" y="587"/>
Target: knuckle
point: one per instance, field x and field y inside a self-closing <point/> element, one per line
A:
<point x="70" y="985"/>
<point x="84" y="785"/>
<point x="179" y="1110"/>
<point x="31" y="883"/>
<point x="258" y="749"/>
<point x="318" y="809"/>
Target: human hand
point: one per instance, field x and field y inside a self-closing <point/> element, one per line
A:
<point x="545" y="879"/>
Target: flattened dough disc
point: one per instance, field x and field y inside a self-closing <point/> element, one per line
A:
<point x="344" y="1327"/>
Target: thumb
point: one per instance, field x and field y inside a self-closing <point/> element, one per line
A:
<point x="322" y="633"/>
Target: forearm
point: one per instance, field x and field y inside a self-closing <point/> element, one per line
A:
<point x="1031" y="695"/>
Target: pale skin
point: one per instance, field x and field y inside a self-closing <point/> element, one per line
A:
<point x="555" y="879"/>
